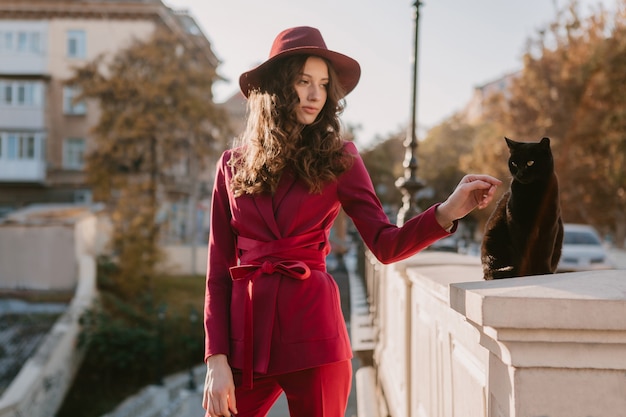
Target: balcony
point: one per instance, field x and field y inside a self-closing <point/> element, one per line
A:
<point x="22" y="170"/>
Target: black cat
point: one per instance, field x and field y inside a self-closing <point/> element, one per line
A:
<point x="524" y="234"/>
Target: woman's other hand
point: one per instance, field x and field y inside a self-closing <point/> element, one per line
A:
<point x="219" y="389"/>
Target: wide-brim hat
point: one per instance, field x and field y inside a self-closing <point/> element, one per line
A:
<point x="308" y="41"/>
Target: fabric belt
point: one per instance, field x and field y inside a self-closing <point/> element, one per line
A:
<point x="258" y="265"/>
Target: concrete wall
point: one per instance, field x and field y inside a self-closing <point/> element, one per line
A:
<point x="40" y="248"/>
<point x="449" y="344"/>
<point x="185" y="259"/>
<point x="37" y="257"/>
<point x="39" y="388"/>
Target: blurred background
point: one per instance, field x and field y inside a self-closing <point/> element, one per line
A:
<point x="114" y="112"/>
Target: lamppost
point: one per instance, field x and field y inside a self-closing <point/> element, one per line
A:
<point x="410" y="184"/>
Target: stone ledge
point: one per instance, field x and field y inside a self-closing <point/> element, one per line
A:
<point x="574" y="320"/>
<point x="594" y="300"/>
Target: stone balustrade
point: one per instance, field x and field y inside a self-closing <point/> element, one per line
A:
<point x="448" y="343"/>
<point x="556" y="343"/>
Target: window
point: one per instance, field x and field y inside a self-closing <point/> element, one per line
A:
<point x="74" y="153"/>
<point x="22" y="41"/>
<point x="12" y="146"/>
<point x="24" y="94"/>
<point x="27" y="147"/>
<point x="76" y="44"/>
<point x="21" y="145"/>
<point x="8" y="41"/>
<point x="35" y="42"/>
<point x="20" y="93"/>
<point x="69" y="106"/>
<point x="7" y="96"/>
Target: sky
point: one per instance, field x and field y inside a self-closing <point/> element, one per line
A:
<point x="462" y="44"/>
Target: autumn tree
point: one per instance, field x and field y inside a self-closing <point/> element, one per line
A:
<point x="158" y="125"/>
<point x="571" y="89"/>
<point x="488" y="154"/>
<point x="439" y="155"/>
<point x="439" y="158"/>
<point x="383" y="161"/>
<point x="599" y="176"/>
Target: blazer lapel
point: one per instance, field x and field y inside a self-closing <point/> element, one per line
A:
<point x="265" y="206"/>
<point x="287" y="181"/>
<point x="268" y="204"/>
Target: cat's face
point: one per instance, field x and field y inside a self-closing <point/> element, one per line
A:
<point x="530" y="161"/>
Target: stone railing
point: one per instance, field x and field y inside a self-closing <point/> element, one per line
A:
<point x="449" y="344"/>
<point x="40" y="386"/>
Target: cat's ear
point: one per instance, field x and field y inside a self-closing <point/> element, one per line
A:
<point x="545" y="142"/>
<point x="511" y="144"/>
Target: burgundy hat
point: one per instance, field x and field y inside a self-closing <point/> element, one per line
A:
<point x="303" y="40"/>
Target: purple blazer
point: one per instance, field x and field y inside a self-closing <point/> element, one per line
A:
<point x="270" y="305"/>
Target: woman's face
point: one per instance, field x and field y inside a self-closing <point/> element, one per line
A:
<point x="311" y="86"/>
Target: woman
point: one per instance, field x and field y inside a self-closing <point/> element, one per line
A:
<point x="273" y="319"/>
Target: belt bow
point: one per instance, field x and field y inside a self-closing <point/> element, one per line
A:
<point x="293" y="269"/>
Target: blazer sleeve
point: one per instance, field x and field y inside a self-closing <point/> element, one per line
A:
<point x="221" y="256"/>
<point x="388" y="242"/>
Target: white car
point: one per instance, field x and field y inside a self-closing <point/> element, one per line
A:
<point x="583" y="250"/>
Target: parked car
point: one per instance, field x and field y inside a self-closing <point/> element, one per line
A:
<point x="583" y="250"/>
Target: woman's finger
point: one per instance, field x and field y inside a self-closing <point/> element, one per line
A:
<point x="232" y="401"/>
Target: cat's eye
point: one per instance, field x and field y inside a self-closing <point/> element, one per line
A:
<point x="514" y="164"/>
<point x="530" y="163"/>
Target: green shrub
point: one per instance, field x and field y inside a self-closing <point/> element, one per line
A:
<point x="132" y="343"/>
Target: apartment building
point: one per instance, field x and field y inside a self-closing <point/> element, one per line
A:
<point x="44" y="135"/>
<point x="474" y="110"/>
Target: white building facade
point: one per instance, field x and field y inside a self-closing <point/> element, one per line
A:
<point x="44" y="133"/>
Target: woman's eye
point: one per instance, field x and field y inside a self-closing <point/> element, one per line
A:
<point x="530" y="163"/>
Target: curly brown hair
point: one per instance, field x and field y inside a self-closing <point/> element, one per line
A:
<point x="274" y="140"/>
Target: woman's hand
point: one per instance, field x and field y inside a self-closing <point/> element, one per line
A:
<point x="473" y="191"/>
<point x="219" y="389"/>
